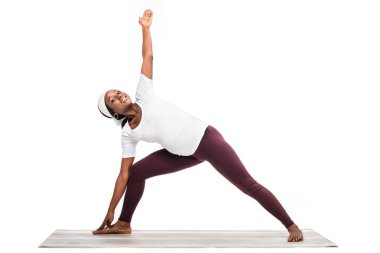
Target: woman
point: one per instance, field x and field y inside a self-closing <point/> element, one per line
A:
<point x="185" y="139"/>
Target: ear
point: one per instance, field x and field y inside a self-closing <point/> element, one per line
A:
<point x="118" y="116"/>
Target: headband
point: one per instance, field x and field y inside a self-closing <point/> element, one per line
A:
<point x="103" y="107"/>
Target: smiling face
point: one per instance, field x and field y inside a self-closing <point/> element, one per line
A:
<point x="118" y="101"/>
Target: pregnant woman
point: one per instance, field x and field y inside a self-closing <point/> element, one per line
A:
<point x="186" y="141"/>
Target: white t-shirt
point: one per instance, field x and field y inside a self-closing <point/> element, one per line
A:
<point x="162" y="122"/>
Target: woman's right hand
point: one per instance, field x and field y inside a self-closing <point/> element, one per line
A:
<point x="106" y="222"/>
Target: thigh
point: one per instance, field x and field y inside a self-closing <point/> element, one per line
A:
<point x="219" y="153"/>
<point x="162" y="162"/>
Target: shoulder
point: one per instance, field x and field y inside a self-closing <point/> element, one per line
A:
<point x="144" y="78"/>
<point x="144" y="87"/>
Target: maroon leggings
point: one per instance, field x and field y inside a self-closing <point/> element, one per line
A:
<point x="212" y="148"/>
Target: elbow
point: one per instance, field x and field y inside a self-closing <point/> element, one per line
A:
<point x="148" y="56"/>
<point x="123" y="177"/>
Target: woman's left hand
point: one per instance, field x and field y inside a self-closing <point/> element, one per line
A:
<point x="146" y="20"/>
<point x="106" y="222"/>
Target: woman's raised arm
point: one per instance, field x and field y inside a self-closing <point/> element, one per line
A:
<point x="147" y="51"/>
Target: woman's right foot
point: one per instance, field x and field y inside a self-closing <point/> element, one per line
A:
<point x="120" y="227"/>
<point x="295" y="234"/>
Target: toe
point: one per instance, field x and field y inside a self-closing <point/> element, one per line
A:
<point x="299" y="237"/>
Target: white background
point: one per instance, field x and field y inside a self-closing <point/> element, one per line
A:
<point x="292" y="85"/>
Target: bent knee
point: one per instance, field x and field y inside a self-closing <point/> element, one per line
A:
<point x="136" y="172"/>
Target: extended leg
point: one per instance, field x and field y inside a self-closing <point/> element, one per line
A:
<point x="214" y="149"/>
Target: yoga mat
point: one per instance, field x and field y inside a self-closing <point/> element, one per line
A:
<point x="184" y="239"/>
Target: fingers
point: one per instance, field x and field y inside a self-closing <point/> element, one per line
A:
<point x="100" y="231"/>
<point x="106" y="223"/>
<point x="102" y="226"/>
<point x="148" y="13"/>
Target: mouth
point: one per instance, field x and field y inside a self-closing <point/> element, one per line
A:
<point x="123" y="99"/>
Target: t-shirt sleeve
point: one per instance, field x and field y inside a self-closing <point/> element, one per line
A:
<point x="144" y="88"/>
<point x="128" y="147"/>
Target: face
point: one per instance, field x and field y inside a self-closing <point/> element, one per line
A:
<point x="118" y="101"/>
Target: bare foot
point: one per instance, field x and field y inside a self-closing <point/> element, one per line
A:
<point x="295" y="234"/>
<point x="120" y="227"/>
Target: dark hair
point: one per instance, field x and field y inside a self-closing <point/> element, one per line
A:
<point x="104" y="114"/>
<point x="119" y="116"/>
<point x="124" y="121"/>
<point x="112" y="112"/>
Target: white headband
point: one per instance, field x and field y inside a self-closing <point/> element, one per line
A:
<point x="102" y="106"/>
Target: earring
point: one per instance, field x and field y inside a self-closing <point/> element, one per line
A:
<point x="116" y="116"/>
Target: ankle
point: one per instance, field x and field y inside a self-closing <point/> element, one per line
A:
<point x="124" y="223"/>
<point x="292" y="227"/>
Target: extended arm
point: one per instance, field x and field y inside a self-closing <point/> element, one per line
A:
<point x="147" y="52"/>
<point x="121" y="182"/>
<point x="120" y="185"/>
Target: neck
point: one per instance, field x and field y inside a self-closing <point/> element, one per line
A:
<point x="133" y="109"/>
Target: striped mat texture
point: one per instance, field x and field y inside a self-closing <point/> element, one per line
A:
<point x="184" y="239"/>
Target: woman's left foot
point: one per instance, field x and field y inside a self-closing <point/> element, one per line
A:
<point x="295" y="234"/>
